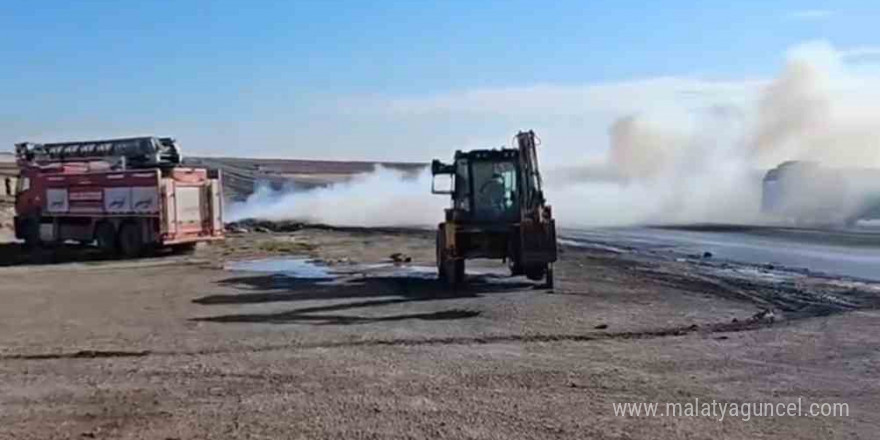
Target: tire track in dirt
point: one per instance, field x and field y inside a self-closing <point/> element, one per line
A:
<point x="753" y="323"/>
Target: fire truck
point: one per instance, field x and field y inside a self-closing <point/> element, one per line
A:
<point x="126" y="195"/>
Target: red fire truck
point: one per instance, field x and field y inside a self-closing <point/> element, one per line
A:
<point x="127" y="195"/>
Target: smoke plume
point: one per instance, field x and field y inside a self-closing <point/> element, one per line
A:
<point x="384" y="197"/>
<point x="697" y="157"/>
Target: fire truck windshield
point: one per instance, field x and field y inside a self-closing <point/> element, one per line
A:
<point x="23" y="184"/>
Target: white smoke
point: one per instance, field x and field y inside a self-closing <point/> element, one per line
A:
<point x="822" y="109"/>
<point x="670" y="169"/>
<point x="684" y="156"/>
<point x="384" y="197"/>
<point x="705" y="164"/>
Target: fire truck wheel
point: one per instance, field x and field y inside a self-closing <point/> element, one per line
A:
<point x="181" y="249"/>
<point x="131" y="243"/>
<point x="31" y="233"/>
<point x="105" y="235"/>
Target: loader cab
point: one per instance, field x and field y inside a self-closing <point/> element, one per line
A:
<point x="484" y="185"/>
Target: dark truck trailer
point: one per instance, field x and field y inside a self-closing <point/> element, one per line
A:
<point x="125" y="194"/>
<point x="811" y="193"/>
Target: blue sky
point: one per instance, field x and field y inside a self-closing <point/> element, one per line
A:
<point x="298" y="79"/>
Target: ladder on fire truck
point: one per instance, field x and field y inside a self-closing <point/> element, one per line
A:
<point x="137" y="152"/>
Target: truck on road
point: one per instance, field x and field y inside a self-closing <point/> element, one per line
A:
<point x="811" y="193"/>
<point x="126" y="195"/>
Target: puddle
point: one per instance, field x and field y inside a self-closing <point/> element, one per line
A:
<point x="417" y="271"/>
<point x="589" y="245"/>
<point x="315" y="269"/>
<point x="292" y="267"/>
<point x="772" y="276"/>
<point x="424" y="272"/>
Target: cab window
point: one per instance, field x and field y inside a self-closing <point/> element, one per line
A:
<point x="24" y="184"/>
<point x="495" y="189"/>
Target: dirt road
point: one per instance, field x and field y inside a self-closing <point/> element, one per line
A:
<point x="853" y="252"/>
<point x="354" y="346"/>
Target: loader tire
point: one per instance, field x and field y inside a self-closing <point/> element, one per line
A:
<point x="441" y="264"/>
<point x="452" y="272"/>
<point x="449" y="270"/>
<point x="456" y="270"/>
<point x="536" y="273"/>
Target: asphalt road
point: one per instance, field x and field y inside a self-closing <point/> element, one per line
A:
<point x="852" y="253"/>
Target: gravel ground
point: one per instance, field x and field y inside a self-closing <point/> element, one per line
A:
<point x="185" y="347"/>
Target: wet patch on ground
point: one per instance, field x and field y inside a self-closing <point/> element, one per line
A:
<point x="327" y="269"/>
<point x="363" y="287"/>
<point x="791" y="293"/>
<point x="293" y="267"/>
